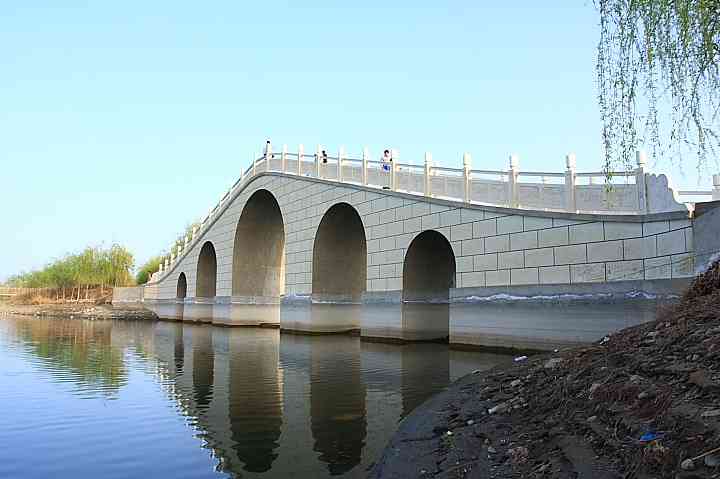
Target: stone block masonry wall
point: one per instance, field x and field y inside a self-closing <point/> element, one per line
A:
<point x="133" y="294"/>
<point x="492" y="246"/>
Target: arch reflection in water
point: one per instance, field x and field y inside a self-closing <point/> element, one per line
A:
<point x="203" y="363"/>
<point x="255" y="396"/>
<point x="169" y="347"/>
<point x="425" y="370"/>
<point x="337" y="401"/>
<point x="179" y="347"/>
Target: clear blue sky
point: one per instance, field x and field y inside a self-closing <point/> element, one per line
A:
<point x="123" y="121"/>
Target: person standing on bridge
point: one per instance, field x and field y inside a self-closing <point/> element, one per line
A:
<point x="386" y="164"/>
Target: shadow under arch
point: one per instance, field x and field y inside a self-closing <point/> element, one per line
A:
<point x="259" y="249"/>
<point x="428" y="275"/>
<point x="206" y="272"/>
<point x="339" y="270"/>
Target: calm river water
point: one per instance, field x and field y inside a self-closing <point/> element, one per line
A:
<point x="118" y="399"/>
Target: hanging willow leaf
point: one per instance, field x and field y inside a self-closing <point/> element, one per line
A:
<point x="658" y="71"/>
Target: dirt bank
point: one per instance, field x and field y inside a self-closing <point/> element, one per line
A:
<point x="76" y="311"/>
<point x="641" y="403"/>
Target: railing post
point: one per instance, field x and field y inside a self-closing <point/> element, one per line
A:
<point x="341" y="154"/>
<point x="640" y="185"/>
<point x="268" y="155"/>
<point x="284" y="159"/>
<point x="393" y="174"/>
<point x="365" y="158"/>
<point x="160" y="268"/>
<point x="513" y="181"/>
<point x="301" y="153"/>
<point x="194" y="233"/>
<point x="427" y="190"/>
<point x="570" y="182"/>
<point x="318" y="170"/>
<point x="254" y="165"/>
<point x="466" y="177"/>
<point x="716" y="187"/>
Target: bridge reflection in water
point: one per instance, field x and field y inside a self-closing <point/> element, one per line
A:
<point x="263" y="402"/>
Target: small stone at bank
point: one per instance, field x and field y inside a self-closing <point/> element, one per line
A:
<point x="553" y="363"/>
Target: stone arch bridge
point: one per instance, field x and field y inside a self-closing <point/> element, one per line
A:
<point x="401" y="252"/>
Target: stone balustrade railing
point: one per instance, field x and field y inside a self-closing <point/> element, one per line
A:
<point x="629" y="192"/>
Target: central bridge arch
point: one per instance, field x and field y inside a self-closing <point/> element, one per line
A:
<point x="428" y="275"/>
<point x="339" y="270"/>
<point x="259" y="249"/>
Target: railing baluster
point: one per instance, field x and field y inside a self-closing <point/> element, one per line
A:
<point x="466" y="177"/>
<point x="428" y="174"/>
<point x="570" y="182"/>
<point x="365" y="158"/>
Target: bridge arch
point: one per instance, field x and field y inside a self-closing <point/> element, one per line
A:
<point x="206" y="280"/>
<point x="181" y="292"/>
<point x="428" y="275"/>
<point x="259" y="248"/>
<point x="339" y="270"/>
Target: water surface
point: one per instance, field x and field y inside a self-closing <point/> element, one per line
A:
<point x="160" y="399"/>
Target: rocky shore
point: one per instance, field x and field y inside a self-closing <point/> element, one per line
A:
<point x="641" y="403"/>
<point x="76" y="311"/>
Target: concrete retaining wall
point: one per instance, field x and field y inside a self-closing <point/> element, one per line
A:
<point x="133" y="294"/>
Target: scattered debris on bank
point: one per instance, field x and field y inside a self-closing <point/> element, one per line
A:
<point x="641" y="403"/>
<point x="76" y="311"/>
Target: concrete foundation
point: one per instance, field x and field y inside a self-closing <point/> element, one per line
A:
<point x="526" y="317"/>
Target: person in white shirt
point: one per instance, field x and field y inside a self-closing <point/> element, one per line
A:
<point x="386" y="164"/>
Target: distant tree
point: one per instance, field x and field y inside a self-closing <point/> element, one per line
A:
<point x="658" y="70"/>
<point x="121" y="263"/>
<point x="150" y="266"/>
<point x="92" y="267"/>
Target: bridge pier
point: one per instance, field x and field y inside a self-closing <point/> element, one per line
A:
<point x="247" y="314"/>
<point x="199" y="311"/>
<point x="321" y="318"/>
